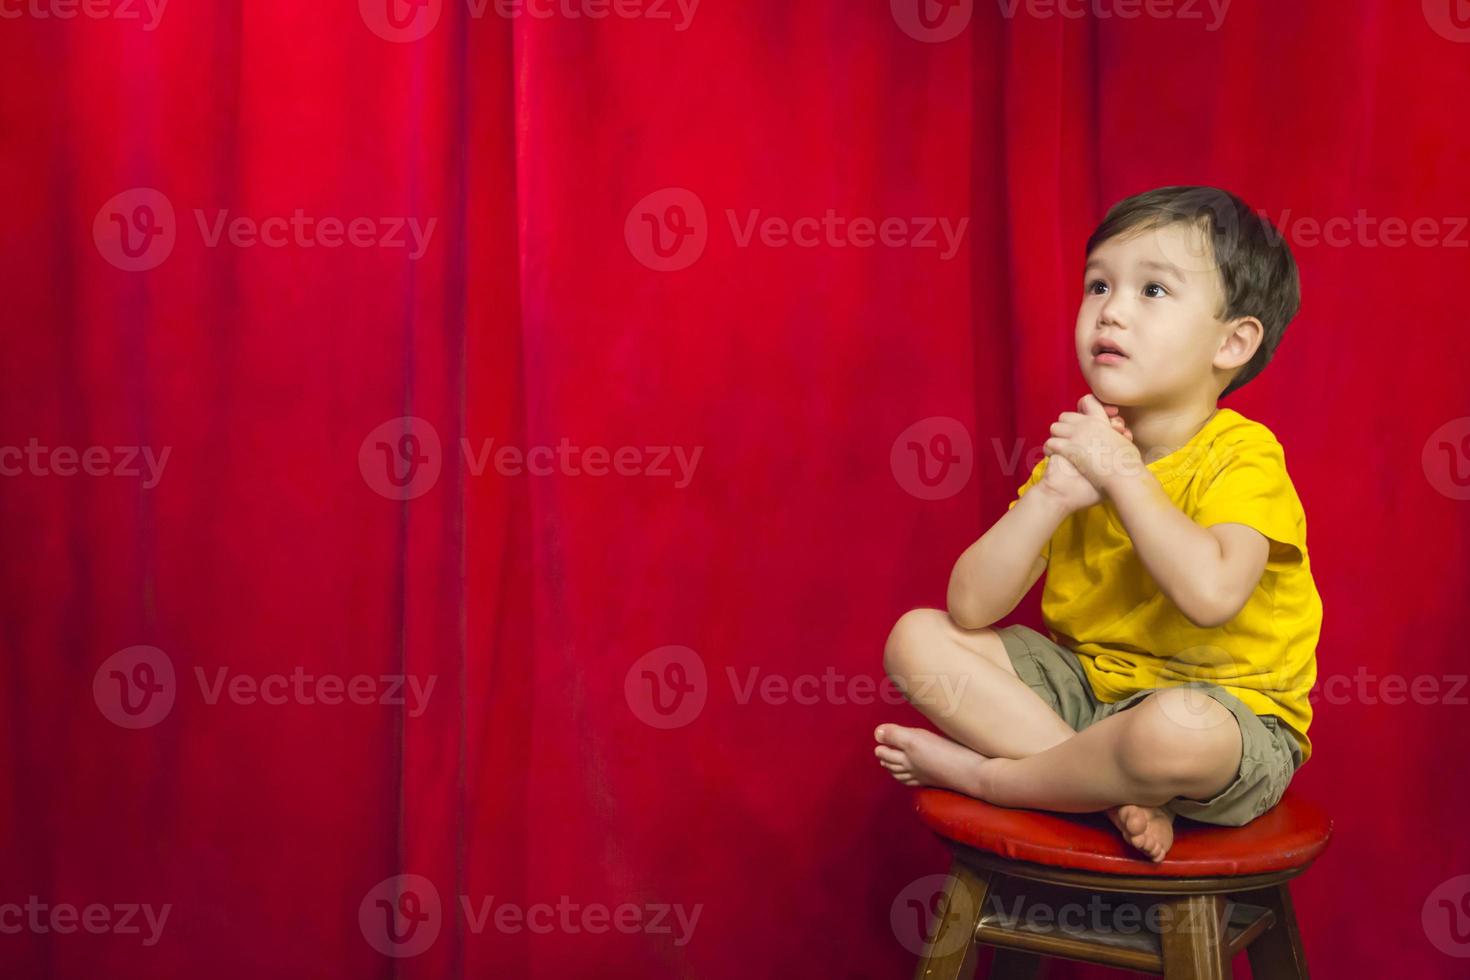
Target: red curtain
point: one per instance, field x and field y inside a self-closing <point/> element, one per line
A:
<point x="442" y="449"/>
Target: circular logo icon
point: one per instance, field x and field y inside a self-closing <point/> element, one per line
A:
<point x="932" y="21"/>
<point x="667" y="687"/>
<point x="921" y="908"/>
<point x="1188" y="672"/>
<point x="1450" y="19"/>
<point x="135" y="687"/>
<point x="1446" y="459"/>
<point x="933" y="458"/>
<point x="401" y="915"/>
<point x="1446" y="917"/>
<point x="667" y="230"/>
<point x="401" y="458"/>
<point x="135" y="230"/>
<point x="400" y="21"/>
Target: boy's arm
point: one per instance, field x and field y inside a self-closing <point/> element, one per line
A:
<point x="996" y="571"/>
<point x="1208" y="573"/>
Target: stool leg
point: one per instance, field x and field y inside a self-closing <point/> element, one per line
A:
<point x="1277" y="953"/>
<point x="950" y="953"/>
<point x="1192" y="938"/>
<point x="1013" y="964"/>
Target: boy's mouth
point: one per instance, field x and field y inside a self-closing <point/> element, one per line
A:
<point x="1106" y="352"/>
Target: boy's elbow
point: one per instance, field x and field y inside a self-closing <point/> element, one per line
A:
<point x="963" y="617"/>
<point x="1207" y="622"/>
<point x="966" y="615"/>
<point x="1212" y="612"/>
<point x="966" y="620"/>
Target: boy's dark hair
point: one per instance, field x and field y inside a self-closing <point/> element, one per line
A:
<point x="1256" y="266"/>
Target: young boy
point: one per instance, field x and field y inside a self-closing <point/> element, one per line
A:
<point x="1181" y="614"/>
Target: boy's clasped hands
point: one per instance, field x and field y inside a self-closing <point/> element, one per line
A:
<point x="1086" y="450"/>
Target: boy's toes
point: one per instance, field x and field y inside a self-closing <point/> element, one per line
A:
<point x="887" y="753"/>
<point x="1153" y="845"/>
<point x="895" y="735"/>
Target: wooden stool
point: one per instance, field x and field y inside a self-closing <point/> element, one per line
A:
<point x="1036" y="884"/>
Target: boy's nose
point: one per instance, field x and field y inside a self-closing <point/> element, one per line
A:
<point x="1111" y="313"/>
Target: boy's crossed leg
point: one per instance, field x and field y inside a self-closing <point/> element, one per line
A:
<point x="1010" y="748"/>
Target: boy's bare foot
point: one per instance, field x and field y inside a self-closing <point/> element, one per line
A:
<point x="917" y="757"/>
<point x="1148" y="828"/>
<point x="921" y="758"/>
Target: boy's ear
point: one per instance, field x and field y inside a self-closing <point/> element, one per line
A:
<point x="1240" y="344"/>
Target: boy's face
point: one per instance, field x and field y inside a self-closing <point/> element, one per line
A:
<point x="1154" y="293"/>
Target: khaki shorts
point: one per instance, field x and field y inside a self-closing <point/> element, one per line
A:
<point x="1269" y="754"/>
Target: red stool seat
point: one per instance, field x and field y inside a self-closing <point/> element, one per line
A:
<point x="1289" y="835"/>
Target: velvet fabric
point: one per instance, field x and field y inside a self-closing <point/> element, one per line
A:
<point x="600" y="383"/>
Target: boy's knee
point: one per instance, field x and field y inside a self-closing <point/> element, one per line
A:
<point x="915" y="633"/>
<point x="1170" y="741"/>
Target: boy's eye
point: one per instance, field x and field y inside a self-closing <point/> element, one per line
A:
<point x="1154" y="285"/>
<point x="1094" y="286"/>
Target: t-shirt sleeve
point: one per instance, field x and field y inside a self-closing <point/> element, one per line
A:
<point x="1031" y="481"/>
<point x="1251" y="487"/>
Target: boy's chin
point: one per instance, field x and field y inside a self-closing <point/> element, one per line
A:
<point x="1113" y="395"/>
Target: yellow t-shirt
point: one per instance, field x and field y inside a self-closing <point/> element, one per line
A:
<point x="1101" y="602"/>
